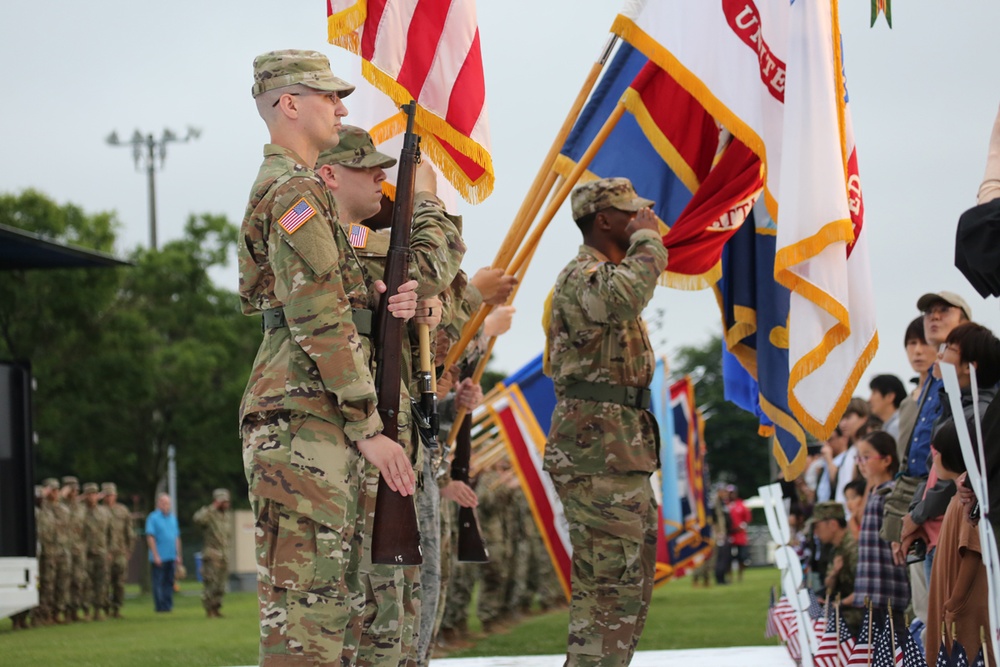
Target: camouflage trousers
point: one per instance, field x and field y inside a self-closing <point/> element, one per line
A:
<point x="97" y="571"/>
<point x="461" y="580"/>
<point x="612" y="525"/>
<point x="48" y="580"/>
<point x="494" y="575"/>
<point x="79" y="585"/>
<point x="429" y="518"/>
<point x="116" y="582"/>
<point x="447" y="564"/>
<point x="308" y="555"/>
<point x="214" y="572"/>
<point x="384" y="629"/>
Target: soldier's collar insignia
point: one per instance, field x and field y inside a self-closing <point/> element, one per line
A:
<point x="358" y="236"/>
<point x="296" y="216"/>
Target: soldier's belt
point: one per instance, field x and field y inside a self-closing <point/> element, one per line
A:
<point x="274" y="318"/>
<point x="633" y="397"/>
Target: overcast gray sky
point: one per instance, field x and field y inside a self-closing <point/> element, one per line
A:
<point x="923" y="95"/>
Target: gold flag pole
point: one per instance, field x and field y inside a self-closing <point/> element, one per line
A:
<point x="524" y="217"/>
<point x="528" y="247"/>
<point x="533" y="199"/>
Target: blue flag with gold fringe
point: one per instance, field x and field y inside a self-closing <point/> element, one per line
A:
<point x="755" y="315"/>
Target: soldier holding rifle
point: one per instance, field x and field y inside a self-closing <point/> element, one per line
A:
<point x="354" y="171"/>
<point x="309" y="415"/>
<point x="602" y="446"/>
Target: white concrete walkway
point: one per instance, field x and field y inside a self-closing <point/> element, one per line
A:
<point x="744" y="656"/>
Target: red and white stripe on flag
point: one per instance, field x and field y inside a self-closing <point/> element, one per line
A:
<point x="771" y="72"/>
<point x="428" y="51"/>
<point x="522" y="436"/>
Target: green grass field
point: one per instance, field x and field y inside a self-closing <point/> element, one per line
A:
<point x="680" y="617"/>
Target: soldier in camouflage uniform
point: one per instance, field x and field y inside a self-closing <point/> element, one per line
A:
<point x="120" y="545"/>
<point x="53" y="558"/>
<point x="602" y="444"/>
<point x="216" y="522"/>
<point x="96" y="536"/>
<point x="830" y="527"/>
<point x="308" y="418"/>
<point x="75" y="583"/>
<point x="354" y="171"/>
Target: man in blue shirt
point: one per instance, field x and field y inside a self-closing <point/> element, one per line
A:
<point x="942" y="312"/>
<point x="163" y="536"/>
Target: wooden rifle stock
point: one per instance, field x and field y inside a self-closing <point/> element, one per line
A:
<point x="471" y="547"/>
<point x="395" y="535"/>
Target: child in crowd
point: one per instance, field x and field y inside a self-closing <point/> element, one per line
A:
<point x="958" y="585"/>
<point x="878" y="578"/>
<point x="854" y="498"/>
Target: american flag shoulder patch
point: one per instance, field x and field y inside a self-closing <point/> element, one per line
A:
<point x="297" y="215"/>
<point x="358" y="236"/>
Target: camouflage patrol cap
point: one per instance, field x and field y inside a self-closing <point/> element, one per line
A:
<point x="828" y="510"/>
<point x="606" y="193"/>
<point x="356" y="150"/>
<point x="109" y="488"/>
<point x="71" y="481"/>
<point x="221" y="495"/>
<point x="91" y="487"/>
<point x="50" y="483"/>
<point x="277" y="69"/>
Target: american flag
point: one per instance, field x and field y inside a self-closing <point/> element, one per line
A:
<point x="428" y="51"/>
<point x="959" y="658"/>
<point x="913" y="654"/>
<point x="771" y="628"/>
<point x="784" y="615"/>
<point x="359" y="236"/>
<point x="862" y="648"/>
<point x="942" y="656"/>
<point x="980" y="659"/>
<point x="884" y="651"/>
<point x="845" y="641"/>
<point x="827" y="654"/>
<point x="296" y="216"/>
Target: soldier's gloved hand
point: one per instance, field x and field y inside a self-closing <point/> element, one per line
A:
<point x="429" y="312"/>
<point x="494" y="285"/>
<point x="391" y="460"/>
<point x="468" y="394"/>
<point x="644" y="219"/>
<point x="461" y="493"/>
<point x="498" y="322"/>
<point x="402" y="304"/>
<point x="426" y="179"/>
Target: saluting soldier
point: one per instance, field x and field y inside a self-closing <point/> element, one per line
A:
<point x="309" y="411"/>
<point x="76" y="583"/>
<point x="52" y="557"/>
<point x="120" y="545"/>
<point x="602" y="444"/>
<point x="216" y="522"/>
<point x="97" y="537"/>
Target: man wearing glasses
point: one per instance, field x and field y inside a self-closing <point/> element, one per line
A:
<point x="911" y="504"/>
<point x="308" y="417"/>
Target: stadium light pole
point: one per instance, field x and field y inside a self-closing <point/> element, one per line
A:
<point x="145" y="150"/>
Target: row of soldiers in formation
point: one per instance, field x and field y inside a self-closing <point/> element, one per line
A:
<point x="84" y="547"/>
<point x="519" y="574"/>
